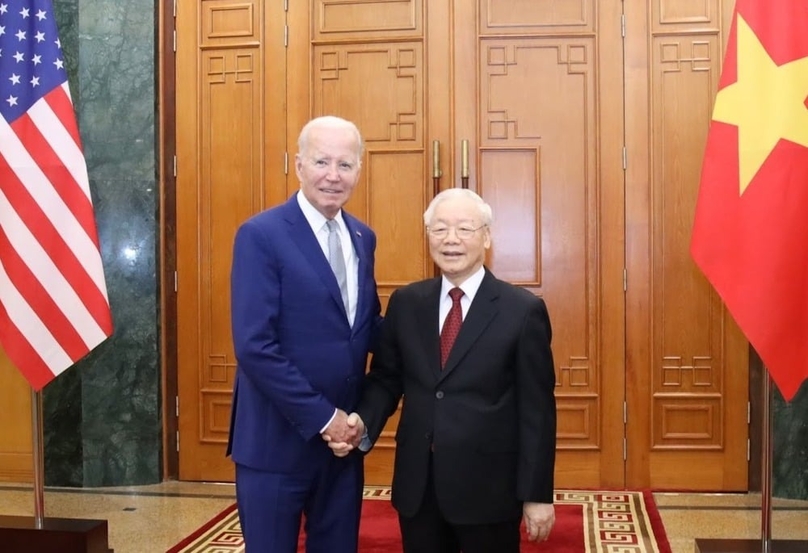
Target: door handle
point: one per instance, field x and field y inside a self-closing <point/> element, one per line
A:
<point x="436" y="172"/>
<point x="464" y="163"/>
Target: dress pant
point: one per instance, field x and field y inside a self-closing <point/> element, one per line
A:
<point x="328" y="495"/>
<point x="429" y="532"/>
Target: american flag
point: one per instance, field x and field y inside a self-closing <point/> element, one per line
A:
<point x="53" y="297"/>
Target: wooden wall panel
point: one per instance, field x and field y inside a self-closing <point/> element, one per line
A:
<point x="373" y="17"/>
<point x="229" y="167"/>
<point x="16" y="445"/>
<point x="686" y="358"/>
<point x="672" y="15"/>
<point x="395" y="205"/>
<point x="687" y="318"/>
<point x="515" y="253"/>
<point x="520" y="15"/>
<point x="342" y="74"/>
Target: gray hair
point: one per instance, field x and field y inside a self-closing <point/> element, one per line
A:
<point x="333" y="122"/>
<point x="486" y="213"/>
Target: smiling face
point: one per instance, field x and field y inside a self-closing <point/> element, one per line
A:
<point x="328" y="167"/>
<point x="458" y="258"/>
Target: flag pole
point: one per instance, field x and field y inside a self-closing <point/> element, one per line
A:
<point x="766" y="465"/>
<point x="765" y="544"/>
<point x="39" y="459"/>
<point x="66" y="535"/>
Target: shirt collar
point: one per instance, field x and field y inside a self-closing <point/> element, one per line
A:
<point x="469" y="286"/>
<point x="316" y="219"/>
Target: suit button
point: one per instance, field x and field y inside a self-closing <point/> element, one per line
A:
<point x="439" y="394"/>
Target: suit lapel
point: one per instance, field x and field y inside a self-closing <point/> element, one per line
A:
<point x="428" y="314"/>
<point x="482" y="312"/>
<point x="303" y="237"/>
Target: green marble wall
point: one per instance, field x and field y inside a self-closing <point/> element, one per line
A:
<point x="102" y="418"/>
<point x="790" y="437"/>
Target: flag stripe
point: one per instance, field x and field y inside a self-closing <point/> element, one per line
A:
<point x="41" y="269"/>
<point x="31" y="328"/>
<point x="41" y="191"/>
<point x="40" y="301"/>
<point x="61" y="103"/>
<point x="57" y="157"/>
<point x="41" y="225"/>
<point x="21" y="353"/>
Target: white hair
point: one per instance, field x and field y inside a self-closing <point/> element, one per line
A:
<point x="332" y="122"/>
<point x="486" y="213"/>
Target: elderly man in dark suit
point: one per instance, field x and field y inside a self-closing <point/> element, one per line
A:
<point x="475" y="445"/>
<point x="304" y="314"/>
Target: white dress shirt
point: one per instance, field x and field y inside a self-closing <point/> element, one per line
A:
<point x="469" y="287"/>
<point x="317" y="221"/>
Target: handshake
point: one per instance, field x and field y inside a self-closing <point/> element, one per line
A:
<point x="344" y="433"/>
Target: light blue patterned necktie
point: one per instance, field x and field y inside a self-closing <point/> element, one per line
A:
<point x="337" y="260"/>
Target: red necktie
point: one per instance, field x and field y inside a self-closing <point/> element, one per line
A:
<point x="451" y="326"/>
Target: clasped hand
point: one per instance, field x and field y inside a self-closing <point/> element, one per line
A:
<point x="344" y="433"/>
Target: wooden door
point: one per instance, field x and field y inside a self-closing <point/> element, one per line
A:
<point x="539" y="115"/>
<point x="687" y="366"/>
<point x="543" y="96"/>
<point x="16" y="445"/>
<point x="230" y="165"/>
<point x="536" y="97"/>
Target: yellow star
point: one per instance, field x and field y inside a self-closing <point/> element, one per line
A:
<point x="766" y="103"/>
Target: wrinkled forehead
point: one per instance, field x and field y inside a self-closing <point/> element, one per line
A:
<point x="456" y="210"/>
<point x="334" y="141"/>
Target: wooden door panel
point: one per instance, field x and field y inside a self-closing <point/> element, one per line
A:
<point x="544" y="96"/>
<point x="16" y="431"/>
<point x="687" y="361"/>
<point x="223" y="168"/>
<point x="528" y="15"/>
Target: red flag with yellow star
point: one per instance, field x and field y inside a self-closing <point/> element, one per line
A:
<point x="750" y="236"/>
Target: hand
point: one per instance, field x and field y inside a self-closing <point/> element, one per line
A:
<point x="356" y="429"/>
<point x="338" y="430"/>
<point x="539" y="519"/>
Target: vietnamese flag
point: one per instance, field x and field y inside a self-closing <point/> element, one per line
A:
<point x="750" y="236"/>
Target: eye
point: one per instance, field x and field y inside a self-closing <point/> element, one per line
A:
<point x="466" y="230"/>
<point x="320" y="162"/>
<point x="346" y="166"/>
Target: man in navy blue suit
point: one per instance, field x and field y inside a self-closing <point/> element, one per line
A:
<point x="302" y="330"/>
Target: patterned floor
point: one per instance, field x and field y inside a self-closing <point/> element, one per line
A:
<point x="624" y="522"/>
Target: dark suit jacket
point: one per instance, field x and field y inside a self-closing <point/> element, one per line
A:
<point x="298" y="357"/>
<point x="489" y="416"/>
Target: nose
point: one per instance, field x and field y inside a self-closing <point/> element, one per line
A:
<point x="451" y="236"/>
<point x="333" y="173"/>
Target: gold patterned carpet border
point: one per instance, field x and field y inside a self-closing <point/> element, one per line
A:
<point x="613" y="522"/>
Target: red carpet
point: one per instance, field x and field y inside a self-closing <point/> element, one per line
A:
<point x="586" y="521"/>
<point x="378" y="531"/>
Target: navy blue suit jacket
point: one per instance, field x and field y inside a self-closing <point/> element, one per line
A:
<point x="298" y="357"/>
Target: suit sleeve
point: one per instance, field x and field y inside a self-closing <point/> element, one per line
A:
<point x="255" y="303"/>
<point x="536" y="406"/>
<point x="383" y="385"/>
